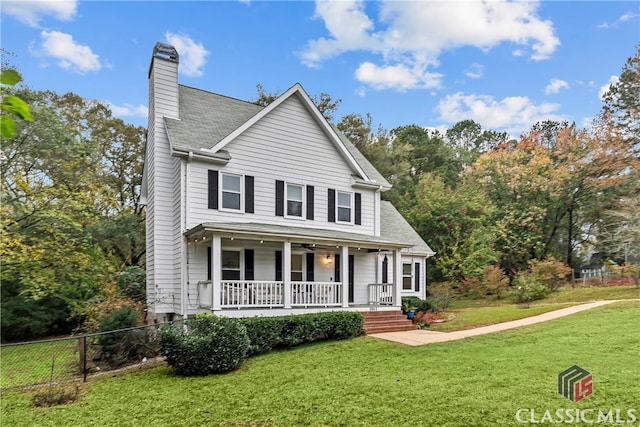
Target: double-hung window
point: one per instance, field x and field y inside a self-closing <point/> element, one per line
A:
<point x="295" y="200"/>
<point x="231" y="191"/>
<point x="344" y="207"/>
<point x="407" y="277"/>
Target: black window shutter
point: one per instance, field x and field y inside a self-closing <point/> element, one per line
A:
<point x="213" y="189"/>
<point x="248" y="194"/>
<point x="417" y="276"/>
<point x="310" y="273"/>
<point x="385" y="270"/>
<point x="278" y="266"/>
<point x="279" y="198"/>
<point x="336" y="268"/>
<point x="310" y="200"/>
<point x="332" y="205"/>
<point x="248" y="264"/>
<point x="358" y="219"/>
<point x="209" y="269"/>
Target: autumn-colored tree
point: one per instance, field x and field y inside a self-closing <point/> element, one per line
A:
<point x="456" y="224"/>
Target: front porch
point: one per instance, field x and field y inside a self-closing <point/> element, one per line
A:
<point x="253" y="294"/>
<point x="240" y="274"/>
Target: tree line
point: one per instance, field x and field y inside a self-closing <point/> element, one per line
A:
<point x="73" y="241"/>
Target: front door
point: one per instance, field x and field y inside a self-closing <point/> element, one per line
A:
<point x="337" y="273"/>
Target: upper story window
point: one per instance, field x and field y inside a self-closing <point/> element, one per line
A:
<point x="344" y="204"/>
<point x="344" y="207"/>
<point x="294" y="200"/>
<point x="231" y="191"/>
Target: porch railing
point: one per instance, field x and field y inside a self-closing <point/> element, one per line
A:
<point x="380" y="293"/>
<point x="258" y="294"/>
<point x="243" y="293"/>
<point x="307" y="294"/>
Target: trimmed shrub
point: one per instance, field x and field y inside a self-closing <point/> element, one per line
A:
<point x="208" y="345"/>
<point x="267" y="333"/>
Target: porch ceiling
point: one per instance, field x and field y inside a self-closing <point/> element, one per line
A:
<point x="295" y="234"/>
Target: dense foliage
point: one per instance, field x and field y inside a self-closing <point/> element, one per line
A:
<point x="71" y="217"/>
<point x="267" y="333"/>
<point x="205" y="345"/>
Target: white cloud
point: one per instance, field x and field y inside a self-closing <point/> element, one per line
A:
<point x="69" y="54"/>
<point x="192" y="55"/>
<point x="31" y="12"/>
<point x="514" y="114"/>
<point x="475" y="71"/>
<point x="628" y="17"/>
<point x="128" y="110"/>
<point x="412" y="33"/>
<point x="555" y="85"/>
<point x="605" y="88"/>
<point x="400" y="77"/>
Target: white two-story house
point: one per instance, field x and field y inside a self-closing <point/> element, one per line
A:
<point x="265" y="210"/>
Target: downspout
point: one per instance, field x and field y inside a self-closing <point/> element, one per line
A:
<point x="185" y="245"/>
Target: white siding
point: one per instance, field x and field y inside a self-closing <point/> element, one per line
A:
<point x="162" y="247"/>
<point x="288" y="145"/>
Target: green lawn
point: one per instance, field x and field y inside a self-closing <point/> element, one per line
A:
<point x="480" y="381"/>
<point x="564" y="295"/>
<point x="468" y="318"/>
<point x="39" y="362"/>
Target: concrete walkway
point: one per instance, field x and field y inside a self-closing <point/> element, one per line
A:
<point x="422" y="337"/>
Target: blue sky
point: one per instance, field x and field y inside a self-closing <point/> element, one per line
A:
<point x="505" y="65"/>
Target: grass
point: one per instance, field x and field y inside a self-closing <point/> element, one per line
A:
<point x="32" y="363"/>
<point x="563" y="295"/>
<point x="481" y="381"/>
<point x="467" y="318"/>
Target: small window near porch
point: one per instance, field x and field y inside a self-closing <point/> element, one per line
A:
<point x="230" y="265"/>
<point x="407" y="277"/>
<point x="296" y="267"/>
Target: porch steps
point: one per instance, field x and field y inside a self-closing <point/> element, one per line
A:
<point x="376" y="322"/>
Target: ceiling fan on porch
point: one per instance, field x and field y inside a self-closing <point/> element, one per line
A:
<point x="311" y="247"/>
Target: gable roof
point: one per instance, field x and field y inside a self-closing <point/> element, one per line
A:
<point x="209" y="121"/>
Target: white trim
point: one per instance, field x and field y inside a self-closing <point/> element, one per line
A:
<point x="299" y="91"/>
<point x="303" y="213"/>
<point x="351" y="207"/>
<point x="221" y="192"/>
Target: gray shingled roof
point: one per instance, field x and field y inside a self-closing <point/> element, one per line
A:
<point x="393" y="225"/>
<point x="207" y="118"/>
<point x="395" y="232"/>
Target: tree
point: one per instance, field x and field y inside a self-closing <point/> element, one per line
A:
<point x="71" y="217"/>
<point x="11" y="106"/>
<point x="469" y="140"/>
<point x="621" y="103"/>
<point x="456" y="224"/>
<point x="327" y="105"/>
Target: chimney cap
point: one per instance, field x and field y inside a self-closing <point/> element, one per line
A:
<point x="166" y="51"/>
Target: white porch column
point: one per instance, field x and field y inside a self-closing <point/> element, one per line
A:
<point x="286" y="273"/>
<point x="216" y="272"/>
<point x="344" y="274"/>
<point x="397" y="278"/>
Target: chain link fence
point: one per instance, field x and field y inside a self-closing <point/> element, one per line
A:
<point x="58" y="360"/>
